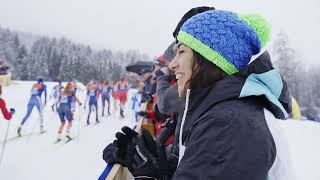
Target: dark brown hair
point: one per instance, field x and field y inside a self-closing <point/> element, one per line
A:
<point x="204" y="73"/>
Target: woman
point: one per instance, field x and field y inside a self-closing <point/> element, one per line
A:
<point x="65" y="113"/>
<point x="224" y="133"/>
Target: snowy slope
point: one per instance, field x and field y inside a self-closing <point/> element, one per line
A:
<point x="37" y="158"/>
<point x="304" y="145"/>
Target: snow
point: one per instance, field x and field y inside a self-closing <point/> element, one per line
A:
<point x="304" y="145"/>
<point x="37" y="157"/>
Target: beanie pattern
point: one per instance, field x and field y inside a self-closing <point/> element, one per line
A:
<point x="224" y="38"/>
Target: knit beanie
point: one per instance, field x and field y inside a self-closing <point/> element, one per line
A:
<point x="225" y="38"/>
<point x="188" y="15"/>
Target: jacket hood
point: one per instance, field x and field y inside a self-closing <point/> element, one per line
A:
<point x="258" y="79"/>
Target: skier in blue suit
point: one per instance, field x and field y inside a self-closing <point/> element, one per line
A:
<point x="92" y="95"/>
<point x="105" y="96"/>
<point x="35" y="100"/>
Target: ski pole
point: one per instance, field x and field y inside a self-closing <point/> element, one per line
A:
<point x="4" y="144"/>
<point x="79" y="117"/>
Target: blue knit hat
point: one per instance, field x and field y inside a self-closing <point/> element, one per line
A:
<point x="225" y="38"/>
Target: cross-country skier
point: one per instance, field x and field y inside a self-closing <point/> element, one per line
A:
<point x="65" y="113"/>
<point x="114" y="95"/>
<point x="55" y="94"/>
<point x="35" y="100"/>
<point x="92" y="95"/>
<point x="121" y="91"/>
<point x="105" y="96"/>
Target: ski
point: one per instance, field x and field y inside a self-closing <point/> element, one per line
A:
<point x="18" y="137"/>
<point x="68" y="139"/>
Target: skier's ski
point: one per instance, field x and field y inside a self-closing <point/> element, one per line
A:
<point x="57" y="141"/>
<point x="18" y="137"/>
<point x="68" y="139"/>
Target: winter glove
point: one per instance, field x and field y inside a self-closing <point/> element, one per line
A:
<point x="109" y="154"/>
<point x="12" y="111"/>
<point x="144" y="114"/>
<point x="143" y="156"/>
<point x="121" y="150"/>
<point x="149" y="158"/>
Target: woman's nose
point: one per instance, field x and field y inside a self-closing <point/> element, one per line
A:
<point x="173" y="64"/>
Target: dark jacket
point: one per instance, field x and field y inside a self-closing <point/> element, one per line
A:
<point x="167" y="96"/>
<point x="149" y="88"/>
<point x="225" y="134"/>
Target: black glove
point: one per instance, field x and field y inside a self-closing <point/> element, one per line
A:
<point x="120" y="151"/>
<point x="12" y="111"/>
<point x="109" y="154"/>
<point x="143" y="156"/>
<point x="149" y="158"/>
<point x="143" y="114"/>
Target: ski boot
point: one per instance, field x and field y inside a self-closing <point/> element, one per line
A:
<point x="59" y="138"/>
<point x="121" y="113"/>
<point x="42" y="130"/>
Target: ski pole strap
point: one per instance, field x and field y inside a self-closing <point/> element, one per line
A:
<point x="105" y="172"/>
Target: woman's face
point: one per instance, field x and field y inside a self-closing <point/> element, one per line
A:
<point x="182" y="65"/>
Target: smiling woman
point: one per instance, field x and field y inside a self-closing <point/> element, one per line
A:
<point x="192" y="70"/>
<point x="224" y="132"/>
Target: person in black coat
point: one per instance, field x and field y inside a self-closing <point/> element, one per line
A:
<point x="224" y="134"/>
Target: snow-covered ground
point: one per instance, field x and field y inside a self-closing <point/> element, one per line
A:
<point x="36" y="157"/>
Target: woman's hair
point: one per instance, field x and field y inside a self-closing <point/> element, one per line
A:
<point x="204" y="73"/>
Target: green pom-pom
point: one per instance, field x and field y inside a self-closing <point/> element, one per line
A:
<point x="260" y="25"/>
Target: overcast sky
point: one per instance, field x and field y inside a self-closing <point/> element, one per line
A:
<point x="147" y="25"/>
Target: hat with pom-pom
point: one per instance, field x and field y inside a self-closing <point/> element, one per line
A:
<point x="225" y="38"/>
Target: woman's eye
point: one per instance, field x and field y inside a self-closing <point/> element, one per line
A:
<point x="180" y="52"/>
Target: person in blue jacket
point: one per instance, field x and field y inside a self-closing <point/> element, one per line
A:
<point x="65" y="113"/>
<point x="105" y="96"/>
<point x="35" y="100"/>
<point x="92" y="95"/>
